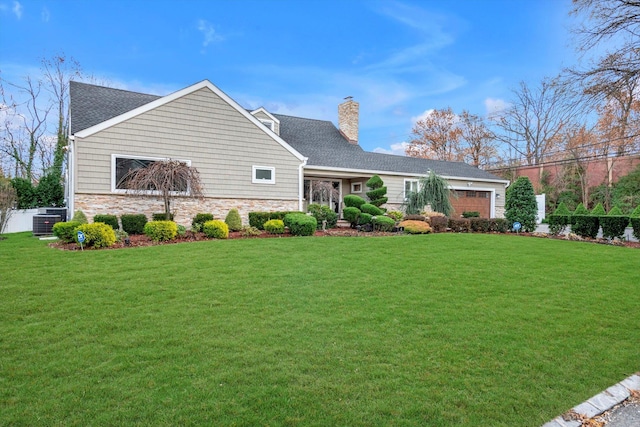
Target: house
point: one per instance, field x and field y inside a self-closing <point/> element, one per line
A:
<point x="253" y="160"/>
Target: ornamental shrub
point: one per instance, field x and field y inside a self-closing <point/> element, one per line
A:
<point x="479" y="225"/>
<point x="200" y="218"/>
<point x="520" y="204"/>
<point x="133" y="223"/>
<point x="160" y="231"/>
<point x="274" y="226"/>
<point x="499" y="225"/>
<point x="586" y="225"/>
<point x="233" y="220"/>
<point x="80" y="217"/>
<point x="635" y="223"/>
<point x="383" y="223"/>
<point x="257" y="219"/>
<point x="288" y="218"/>
<point x="66" y="231"/>
<point x="249" y="231"/>
<point x="460" y="225"/>
<point x="377" y="193"/>
<point x="439" y="223"/>
<point x="353" y="201"/>
<point x="614" y="223"/>
<point x="110" y="220"/>
<point x="364" y="218"/>
<point x="371" y="209"/>
<point x="635" y="213"/>
<point x="303" y="225"/>
<point x="580" y="210"/>
<point x="470" y="214"/>
<point x="181" y="230"/>
<point x="415" y="227"/>
<point x="396" y="215"/>
<point x="161" y="216"/>
<point x="598" y="210"/>
<point x="97" y="235"/>
<point x="615" y="211"/>
<point x="323" y="213"/>
<point x="25" y="193"/>
<point x="559" y="219"/>
<point x="351" y="214"/>
<point x="216" y="229"/>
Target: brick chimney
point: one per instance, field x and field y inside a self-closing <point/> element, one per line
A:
<point x="348" y="113"/>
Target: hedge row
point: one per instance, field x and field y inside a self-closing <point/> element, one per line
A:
<point x="257" y="219"/>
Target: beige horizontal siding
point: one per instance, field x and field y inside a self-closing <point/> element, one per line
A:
<point x="218" y="140"/>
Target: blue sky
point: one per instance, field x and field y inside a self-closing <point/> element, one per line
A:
<point x="398" y="59"/>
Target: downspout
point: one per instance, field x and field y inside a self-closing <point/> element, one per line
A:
<point x="71" y="176"/>
<point x="301" y="183"/>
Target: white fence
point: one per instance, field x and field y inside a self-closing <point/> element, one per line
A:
<point x="541" y="201"/>
<point x="21" y="220"/>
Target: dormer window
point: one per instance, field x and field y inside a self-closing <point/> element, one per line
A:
<point x="269" y="124"/>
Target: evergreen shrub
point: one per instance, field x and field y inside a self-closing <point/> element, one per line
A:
<point x="97" y="235"/>
<point x="198" y="221"/>
<point x="470" y="214"/>
<point x="216" y="229"/>
<point x="598" y="210"/>
<point x="80" y="217"/>
<point x="111" y="220"/>
<point x="371" y="209"/>
<point x="66" y="231"/>
<point x="480" y="225"/>
<point x="396" y="215"/>
<point x="415" y="227"/>
<point x="586" y="225"/>
<point x="257" y="219"/>
<point x="364" y="218"/>
<point x="161" y="216"/>
<point x="383" y="223"/>
<point x="520" y="204"/>
<point x="614" y="224"/>
<point x="233" y="220"/>
<point x="351" y="214"/>
<point x="323" y="213"/>
<point x="274" y="226"/>
<point x="460" y="225"/>
<point x="303" y="225"/>
<point x="499" y="225"/>
<point x="133" y="223"/>
<point x="160" y="231"/>
<point x="353" y="201"/>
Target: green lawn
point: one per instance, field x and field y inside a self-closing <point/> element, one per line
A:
<point x="439" y="330"/>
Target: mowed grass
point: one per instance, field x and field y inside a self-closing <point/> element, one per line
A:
<point x="437" y="330"/>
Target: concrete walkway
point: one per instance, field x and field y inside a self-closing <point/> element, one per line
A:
<point x="628" y="232"/>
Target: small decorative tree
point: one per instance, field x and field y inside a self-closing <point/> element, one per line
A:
<point x="7" y="202"/>
<point x="520" y="204"/>
<point x="168" y="178"/>
<point x="377" y="193"/>
<point x="433" y="191"/>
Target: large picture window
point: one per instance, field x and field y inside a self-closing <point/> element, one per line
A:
<point x="123" y="166"/>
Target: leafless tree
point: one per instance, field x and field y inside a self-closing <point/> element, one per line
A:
<point x="167" y="179"/>
<point x="7" y="202"/>
<point x="479" y="149"/>
<point x="534" y="122"/>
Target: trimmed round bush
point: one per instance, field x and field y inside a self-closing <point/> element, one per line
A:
<point x="160" y="231"/>
<point x="111" y="220"/>
<point x="371" y="209"/>
<point x="133" y="223"/>
<point x="80" y="217"/>
<point x="233" y="220"/>
<point x="66" y="231"/>
<point x="200" y="218"/>
<point x="216" y="229"/>
<point x="383" y="223"/>
<point x="364" y="218"/>
<point x="303" y="225"/>
<point x="288" y="218"/>
<point x="415" y="227"/>
<point x="351" y="214"/>
<point x="274" y="226"/>
<point x="353" y="201"/>
<point x="97" y="235"/>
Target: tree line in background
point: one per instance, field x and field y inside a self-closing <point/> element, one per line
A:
<point x="588" y="112"/>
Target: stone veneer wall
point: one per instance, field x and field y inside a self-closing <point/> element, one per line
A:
<point x="184" y="209"/>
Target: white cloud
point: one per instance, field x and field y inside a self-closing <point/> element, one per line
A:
<point x="398" y="149"/>
<point x="208" y="32"/>
<point x="495" y="106"/>
<point x="17" y="9"/>
<point x="422" y="116"/>
<point x="45" y="14"/>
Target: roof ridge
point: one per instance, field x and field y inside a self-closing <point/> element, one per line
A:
<point x="298" y="117"/>
<point x="114" y="88"/>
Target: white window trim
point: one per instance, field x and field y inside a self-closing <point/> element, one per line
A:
<point x="404" y="186"/>
<point x="269" y="124"/>
<point x="263" y="181"/>
<point x="153" y="159"/>
<point x="353" y="184"/>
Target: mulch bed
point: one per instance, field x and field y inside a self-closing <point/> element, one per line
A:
<point x="137" y="241"/>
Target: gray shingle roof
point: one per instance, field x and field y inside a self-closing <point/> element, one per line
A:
<point x="318" y="140"/>
<point x="92" y="104"/>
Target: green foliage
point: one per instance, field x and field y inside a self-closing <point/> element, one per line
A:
<point x="585" y="225"/>
<point x="557" y="223"/>
<point x="353" y="201"/>
<point x="377" y="192"/>
<point x="161" y="216"/>
<point x="351" y="214"/>
<point x="562" y="209"/>
<point x="181" y="230"/>
<point x="80" y="217"/>
<point x="635" y="223"/>
<point x="615" y="211"/>
<point x="216" y="229"/>
<point x="303" y="225"/>
<point x="459" y="225"/>
<point x="133" y="223"/>
<point x="598" y="210"/>
<point x="110" y="220"/>
<point x="97" y="235"/>
<point x="121" y="235"/>
<point x="257" y="219"/>
<point x="626" y="192"/>
<point x="397" y="215"/>
<point x="635" y="213"/>
<point x="371" y="209"/>
<point x="415" y="227"/>
<point x="613" y="225"/>
<point x="66" y="231"/>
<point x="364" y="218"/>
<point x="199" y="220"/>
<point x="480" y="225"/>
<point x="323" y="213"/>
<point x="249" y="231"/>
<point x="274" y="226"/>
<point x="581" y="210"/>
<point x="520" y="204"/>
<point x="50" y="190"/>
<point x="383" y="223"/>
<point x="434" y="191"/>
<point x="160" y="231"/>
<point x="569" y="198"/>
<point x="25" y="192"/>
<point x="499" y="225"/>
<point x="233" y="220"/>
<point x="470" y="214"/>
<point x="288" y="218"/>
